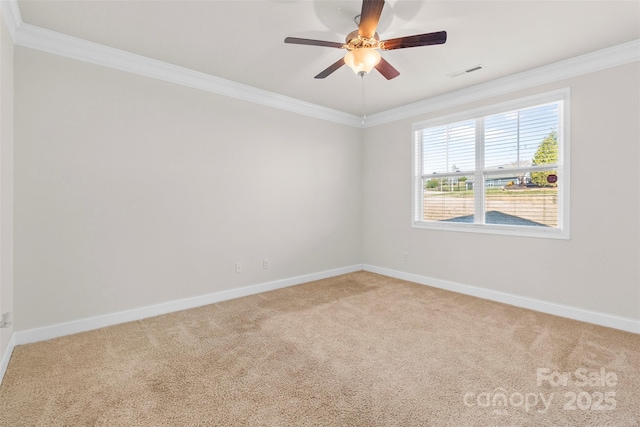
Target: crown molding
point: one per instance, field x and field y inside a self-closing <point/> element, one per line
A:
<point x="11" y="16"/>
<point x="30" y="36"/>
<point x="596" y="61"/>
<point x="33" y="37"/>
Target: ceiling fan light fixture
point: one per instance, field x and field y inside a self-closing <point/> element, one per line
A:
<point x="362" y="60"/>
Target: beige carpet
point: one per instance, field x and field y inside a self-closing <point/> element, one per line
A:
<point x="355" y="350"/>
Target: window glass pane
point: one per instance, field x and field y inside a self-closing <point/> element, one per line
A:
<point x="514" y="199"/>
<point x="512" y="138"/>
<point x="501" y="140"/>
<point x="448" y="199"/>
<point x="449" y="148"/>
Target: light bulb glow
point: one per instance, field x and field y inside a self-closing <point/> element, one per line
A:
<point x="362" y="60"/>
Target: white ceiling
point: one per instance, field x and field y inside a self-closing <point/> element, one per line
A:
<point x="242" y="41"/>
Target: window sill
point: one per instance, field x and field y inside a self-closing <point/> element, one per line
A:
<point x="507" y="230"/>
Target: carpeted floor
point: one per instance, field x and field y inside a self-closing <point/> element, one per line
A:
<point x="354" y="350"/>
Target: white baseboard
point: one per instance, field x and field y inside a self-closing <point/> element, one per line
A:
<point x="6" y="356"/>
<point x="602" y="319"/>
<point x="87" y="324"/>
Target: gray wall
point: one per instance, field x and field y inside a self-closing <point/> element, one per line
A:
<point x="130" y="192"/>
<point x="6" y="180"/>
<point x="596" y="270"/>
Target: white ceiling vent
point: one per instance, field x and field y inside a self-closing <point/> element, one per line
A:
<point x="466" y="71"/>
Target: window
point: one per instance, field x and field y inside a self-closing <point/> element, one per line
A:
<point x="501" y="169"/>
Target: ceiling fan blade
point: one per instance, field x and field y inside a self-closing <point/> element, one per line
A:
<point x="333" y="67"/>
<point x="414" y="41"/>
<point x="387" y="69"/>
<point x="369" y="17"/>
<point x="311" y="42"/>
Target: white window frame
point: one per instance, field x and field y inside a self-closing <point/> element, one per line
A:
<point x="562" y="231"/>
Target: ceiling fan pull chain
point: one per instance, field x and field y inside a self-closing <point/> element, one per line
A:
<point x="364" y="115"/>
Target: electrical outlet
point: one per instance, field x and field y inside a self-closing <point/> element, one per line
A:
<point x="238" y="267"/>
<point x="5" y="322"/>
<point x="265" y="264"/>
<point x="406" y="256"/>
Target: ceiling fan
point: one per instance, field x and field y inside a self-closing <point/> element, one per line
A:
<point x="363" y="44"/>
